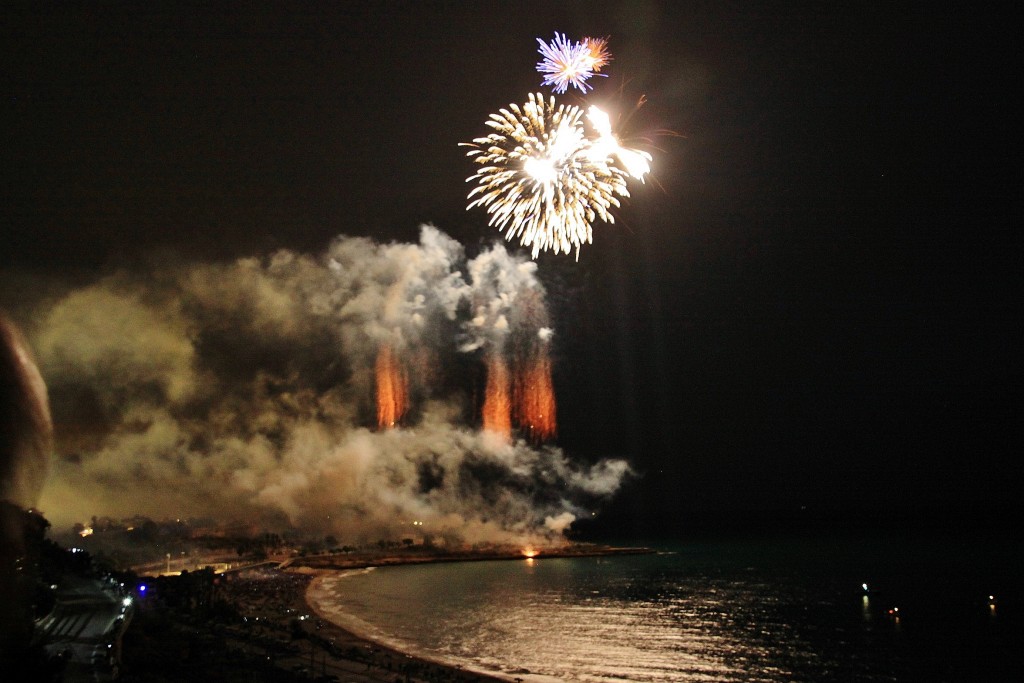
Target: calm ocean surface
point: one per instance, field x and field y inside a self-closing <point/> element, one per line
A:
<point x="780" y="609"/>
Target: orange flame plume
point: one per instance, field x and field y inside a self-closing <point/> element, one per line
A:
<point x="535" y="398"/>
<point x="392" y="388"/>
<point x="497" y="410"/>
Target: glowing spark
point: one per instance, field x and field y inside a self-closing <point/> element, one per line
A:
<point x="540" y="179"/>
<point x="566" y="63"/>
<point x="634" y="161"/>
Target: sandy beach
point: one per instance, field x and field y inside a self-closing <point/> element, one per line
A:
<point x="354" y="658"/>
<point x="278" y="621"/>
<point x="362" y="659"/>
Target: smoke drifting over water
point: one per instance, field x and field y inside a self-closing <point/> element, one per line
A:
<point x="323" y="392"/>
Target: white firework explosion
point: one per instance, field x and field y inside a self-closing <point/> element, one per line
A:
<point x="541" y="178"/>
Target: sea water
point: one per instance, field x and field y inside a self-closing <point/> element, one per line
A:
<point x="767" y="609"/>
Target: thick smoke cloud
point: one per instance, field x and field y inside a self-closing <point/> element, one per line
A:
<point x="246" y="391"/>
<point x="500" y="281"/>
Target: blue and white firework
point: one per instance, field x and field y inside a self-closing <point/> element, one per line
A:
<point x="566" y="63"/>
<point x="542" y="176"/>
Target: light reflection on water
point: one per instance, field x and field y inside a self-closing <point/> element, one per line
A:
<point x="642" y="618"/>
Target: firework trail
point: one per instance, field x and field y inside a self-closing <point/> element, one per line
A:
<point x="540" y="179"/>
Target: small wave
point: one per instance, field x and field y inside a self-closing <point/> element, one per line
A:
<point x="353" y="572"/>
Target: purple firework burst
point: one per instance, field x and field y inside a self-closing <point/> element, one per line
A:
<point x="565" y="63"/>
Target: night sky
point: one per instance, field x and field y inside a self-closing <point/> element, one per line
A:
<point x="813" y="302"/>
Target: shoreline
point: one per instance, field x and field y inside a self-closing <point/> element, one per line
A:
<point x="362" y="560"/>
<point x="386" y="663"/>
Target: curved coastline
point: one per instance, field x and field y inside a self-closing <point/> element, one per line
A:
<point x="377" y="651"/>
<point x="384" y="651"/>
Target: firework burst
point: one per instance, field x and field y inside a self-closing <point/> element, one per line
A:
<point x="636" y="162"/>
<point x="598" y="54"/>
<point x="540" y="178"/>
<point x="567" y="63"/>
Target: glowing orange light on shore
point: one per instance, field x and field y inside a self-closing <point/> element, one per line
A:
<point x="392" y="388"/>
<point x="497" y="409"/>
<point x="529" y="553"/>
